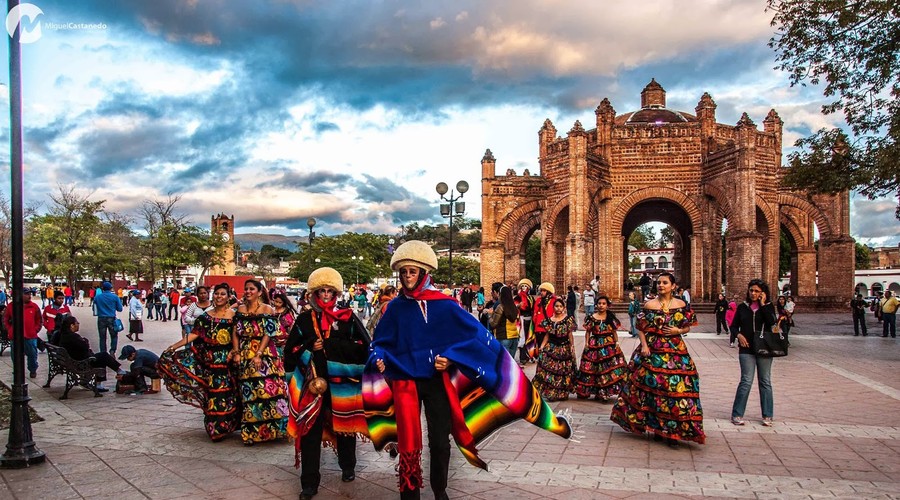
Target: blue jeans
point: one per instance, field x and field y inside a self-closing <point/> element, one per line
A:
<point x="107" y="324"/>
<point x="31" y="355"/>
<point x="511" y="346"/>
<point x="634" y="332"/>
<point x="588" y="310"/>
<point x="763" y="368"/>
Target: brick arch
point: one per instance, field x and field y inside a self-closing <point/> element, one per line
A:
<point x="822" y="222"/>
<point x="599" y="196"/>
<point x="521" y="212"/>
<point x="656" y="192"/>
<point x="771" y="220"/>
<point x="550" y="220"/>
<point x="794" y="230"/>
<point x="723" y="204"/>
<point x="525" y="225"/>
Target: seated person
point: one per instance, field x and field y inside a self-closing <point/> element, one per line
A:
<point x="143" y="363"/>
<point x="79" y="349"/>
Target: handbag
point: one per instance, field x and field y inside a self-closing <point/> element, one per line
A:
<point x="119" y="325"/>
<point x="771" y="344"/>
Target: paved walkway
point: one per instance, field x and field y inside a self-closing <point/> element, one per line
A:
<point x="837" y="398"/>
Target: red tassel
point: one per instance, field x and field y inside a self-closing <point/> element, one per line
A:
<point x="410" y="470"/>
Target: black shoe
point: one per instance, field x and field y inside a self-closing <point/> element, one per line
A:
<point x="856" y="335"/>
<point x="308" y="493"/>
<point x="102" y="389"/>
<point x="673" y="443"/>
<point x="32" y="374"/>
<point x="347" y="476"/>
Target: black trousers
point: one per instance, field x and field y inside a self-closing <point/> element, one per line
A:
<point x="311" y="450"/>
<point x="106" y="359"/>
<point x="139" y="372"/>
<point x="859" y="323"/>
<point x="720" y="322"/>
<point x="437" y="416"/>
<point x="173" y="307"/>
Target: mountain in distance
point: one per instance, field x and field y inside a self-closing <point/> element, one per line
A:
<point x="255" y="241"/>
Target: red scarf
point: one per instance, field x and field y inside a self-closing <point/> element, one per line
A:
<point x="425" y="291"/>
<point x="329" y="315"/>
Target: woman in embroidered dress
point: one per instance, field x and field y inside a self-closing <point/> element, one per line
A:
<point x="661" y="393"/>
<point x="200" y="375"/>
<point x="555" y="374"/>
<point x="602" y="367"/>
<point x="260" y="368"/>
<point x="286" y="313"/>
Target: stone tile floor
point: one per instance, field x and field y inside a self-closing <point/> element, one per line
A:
<point x="837" y="435"/>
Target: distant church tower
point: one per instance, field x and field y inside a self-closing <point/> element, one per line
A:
<point x="224" y="225"/>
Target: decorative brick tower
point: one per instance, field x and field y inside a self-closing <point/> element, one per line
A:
<point x="595" y="187"/>
<point x="224" y="225"/>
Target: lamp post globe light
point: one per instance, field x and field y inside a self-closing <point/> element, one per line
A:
<point x="449" y="210"/>
<point x="357" y="259"/>
<point x="311" y="222"/>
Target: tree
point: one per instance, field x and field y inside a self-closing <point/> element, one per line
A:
<point x="6" y="236"/>
<point x="784" y="254"/>
<point x="465" y="270"/>
<point x="65" y="240"/>
<point x="336" y="252"/>
<point x="666" y="237"/>
<point x="162" y="222"/>
<point x="851" y="47"/>
<point x="643" y="237"/>
<point x="533" y="260"/>
<point x="862" y="256"/>
<point x="115" y="250"/>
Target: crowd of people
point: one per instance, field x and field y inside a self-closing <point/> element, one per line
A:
<point x="340" y="366"/>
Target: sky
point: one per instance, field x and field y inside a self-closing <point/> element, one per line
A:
<point x="351" y="112"/>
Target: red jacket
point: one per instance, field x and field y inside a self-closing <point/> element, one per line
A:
<point x="50" y="314"/>
<point x="32" y="323"/>
<point x="541" y="312"/>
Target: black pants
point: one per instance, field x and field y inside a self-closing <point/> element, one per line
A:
<point x="523" y="356"/>
<point x="720" y="323"/>
<point x="311" y="450"/>
<point x="437" y="416"/>
<point x="859" y="323"/>
<point x="139" y="372"/>
<point x="173" y="307"/>
<point x="734" y="333"/>
<point x="106" y="359"/>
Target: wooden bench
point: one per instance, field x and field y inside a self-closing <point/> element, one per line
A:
<point x="77" y="372"/>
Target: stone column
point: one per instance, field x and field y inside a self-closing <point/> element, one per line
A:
<point x="743" y="262"/>
<point x="491" y="263"/>
<point x="803" y="273"/>
<point x="837" y="275"/>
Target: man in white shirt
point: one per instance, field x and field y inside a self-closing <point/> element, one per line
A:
<point x="588" y="298"/>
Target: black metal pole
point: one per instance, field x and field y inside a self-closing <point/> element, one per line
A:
<point x="450" y="250"/>
<point x="20" y="449"/>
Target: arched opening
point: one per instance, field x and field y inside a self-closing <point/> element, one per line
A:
<point x="894" y="288"/>
<point x="531" y="261"/>
<point x="557" y="244"/>
<point x="787" y="259"/>
<point x="862" y="289"/>
<point x="877" y="288"/>
<point x="671" y="250"/>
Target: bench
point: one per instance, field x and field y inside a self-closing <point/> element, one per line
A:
<point x="77" y="372"/>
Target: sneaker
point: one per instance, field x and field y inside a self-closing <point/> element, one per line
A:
<point x="737" y="420"/>
<point x="732" y="345"/>
<point x="768" y="422"/>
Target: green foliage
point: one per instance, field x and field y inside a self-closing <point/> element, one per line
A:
<point x="465" y="270"/>
<point x="466" y="234"/>
<point x="336" y="252"/>
<point x="851" y="47"/>
<point x="533" y="260"/>
<point x="862" y="257"/>
<point x="784" y="253"/>
<point x="644" y="236"/>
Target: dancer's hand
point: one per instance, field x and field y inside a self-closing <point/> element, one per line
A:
<point x="318" y="345"/>
<point x="441" y="363"/>
<point x="379" y="363"/>
<point x="645" y="350"/>
<point x="257" y="361"/>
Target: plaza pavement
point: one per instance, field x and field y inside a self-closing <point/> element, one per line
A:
<point x="837" y="408"/>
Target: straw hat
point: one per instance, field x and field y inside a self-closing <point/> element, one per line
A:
<point x="527" y="282"/>
<point x="547" y="286"/>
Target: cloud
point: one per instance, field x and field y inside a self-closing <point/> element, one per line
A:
<point x="437" y="23"/>
<point x="874" y="221"/>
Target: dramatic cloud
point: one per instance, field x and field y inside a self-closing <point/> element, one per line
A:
<point x="352" y="111"/>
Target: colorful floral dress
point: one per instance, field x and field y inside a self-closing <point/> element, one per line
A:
<point x="555" y="374"/>
<point x="661" y="393"/>
<point x="602" y="367"/>
<point x="201" y="376"/>
<point x="285" y="324"/>
<point x="263" y="392"/>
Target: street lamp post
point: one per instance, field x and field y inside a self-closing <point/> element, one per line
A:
<point x="357" y="259"/>
<point x="20" y="448"/>
<point x="390" y="249"/>
<point x="312" y="234"/>
<point x="451" y="209"/>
